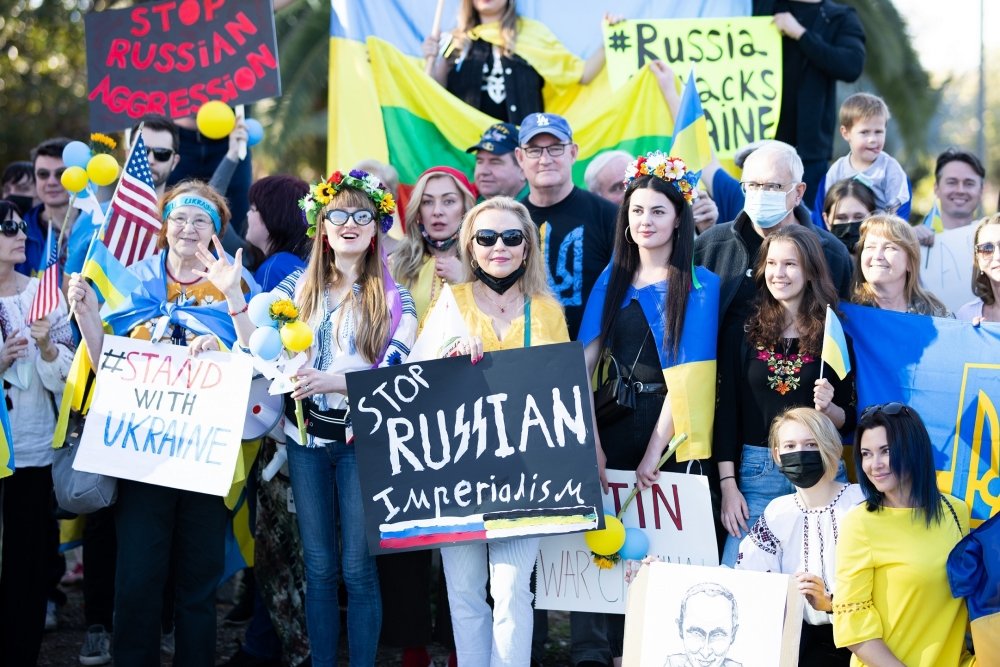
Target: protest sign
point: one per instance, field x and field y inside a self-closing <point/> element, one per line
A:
<point x="681" y="615"/>
<point x="737" y="65"/>
<point x="442" y="330"/>
<point x="162" y="416"/>
<point x="170" y="57"/>
<point x="675" y="514"/>
<point x="451" y="452"/>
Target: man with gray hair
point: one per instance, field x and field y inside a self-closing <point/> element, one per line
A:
<point x="772" y="183"/>
<point x="605" y="175"/>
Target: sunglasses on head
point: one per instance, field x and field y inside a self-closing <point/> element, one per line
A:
<point x="159" y="154"/>
<point x="510" y="237"/>
<point x="890" y="409"/>
<point x="987" y="250"/>
<point x="11" y="227"/>
<point x="45" y="174"/>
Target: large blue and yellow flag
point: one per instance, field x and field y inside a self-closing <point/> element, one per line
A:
<point x="110" y="277"/>
<point x="6" y="441"/>
<point x="949" y="371"/>
<point x="691" y="142"/>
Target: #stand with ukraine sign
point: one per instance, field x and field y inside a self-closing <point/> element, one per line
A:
<point x="450" y="452"/>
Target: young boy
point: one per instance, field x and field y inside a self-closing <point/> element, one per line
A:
<point x="863" y="118"/>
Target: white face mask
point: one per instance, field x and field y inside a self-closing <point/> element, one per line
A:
<point x="765" y="209"/>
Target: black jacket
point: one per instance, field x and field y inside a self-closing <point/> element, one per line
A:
<point x="832" y="49"/>
<point x="723" y="251"/>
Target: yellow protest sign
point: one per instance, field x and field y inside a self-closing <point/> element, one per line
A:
<point x="737" y="65"/>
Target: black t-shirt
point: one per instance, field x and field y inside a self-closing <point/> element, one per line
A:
<point x="577" y="237"/>
<point x="793" y="65"/>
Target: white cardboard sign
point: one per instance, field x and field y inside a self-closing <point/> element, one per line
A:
<point x="162" y="416"/>
<point x="676" y="515"/>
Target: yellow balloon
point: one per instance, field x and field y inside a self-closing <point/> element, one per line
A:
<point x="74" y="179"/>
<point x="102" y="169"/>
<point x="296" y="336"/>
<point x="215" y="119"/>
<point x="608" y="541"/>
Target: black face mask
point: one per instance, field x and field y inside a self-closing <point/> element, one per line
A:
<point x="803" y="469"/>
<point x="23" y="203"/>
<point x="499" y="285"/>
<point x="849" y="233"/>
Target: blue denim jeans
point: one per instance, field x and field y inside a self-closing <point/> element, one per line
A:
<point x="325" y="478"/>
<point x="760" y="481"/>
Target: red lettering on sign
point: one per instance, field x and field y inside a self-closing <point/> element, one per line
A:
<point x="240" y="27"/>
<point x="142" y="23"/>
<point x="117" y="51"/>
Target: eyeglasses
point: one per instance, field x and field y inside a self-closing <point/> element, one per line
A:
<point x="987" y="250"/>
<point x="535" y="152"/>
<point x="751" y="186"/>
<point x="200" y="223"/>
<point x="45" y="174"/>
<point x="510" y="237"/>
<point x="339" y="217"/>
<point x="160" y="154"/>
<point x="11" y="227"/>
<point x="890" y="409"/>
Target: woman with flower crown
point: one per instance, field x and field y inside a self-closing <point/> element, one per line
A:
<point x="654" y="312"/>
<point x="361" y="319"/>
<point x="771" y="364"/>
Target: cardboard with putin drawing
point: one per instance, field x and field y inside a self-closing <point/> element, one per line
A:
<point x="688" y="615"/>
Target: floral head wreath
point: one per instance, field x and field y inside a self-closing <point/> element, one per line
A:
<point x="320" y="194"/>
<point x="670" y="169"/>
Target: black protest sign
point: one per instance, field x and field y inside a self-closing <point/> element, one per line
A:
<point x="170" y="57"/>
<point x="452" y="452"/>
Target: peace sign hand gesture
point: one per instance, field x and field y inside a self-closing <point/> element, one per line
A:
<point x="226" y="276"/>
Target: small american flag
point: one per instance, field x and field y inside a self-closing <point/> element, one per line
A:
<point x="47" y="297"/>
<point x="133" y="221"/>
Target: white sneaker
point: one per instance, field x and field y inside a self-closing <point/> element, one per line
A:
<point x="96" y="649"/>
<point x="167" y="643"/>
<point x="51" y="616"/>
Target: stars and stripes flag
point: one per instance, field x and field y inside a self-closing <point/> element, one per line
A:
<point x="47" y="297"/>
<point x="133" y="218"/>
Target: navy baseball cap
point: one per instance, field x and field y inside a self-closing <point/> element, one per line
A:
<point x="499" y="138"/>
<point x="544" y="123"/>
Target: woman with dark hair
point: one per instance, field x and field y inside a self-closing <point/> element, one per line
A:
<point x="845" y="207"/>
<point x="770" y="365"/>
<point x="985" y="273"/>
<point x="276" y="228"/>
<point x="893" y="604"/>
<point x="652" y="311"/>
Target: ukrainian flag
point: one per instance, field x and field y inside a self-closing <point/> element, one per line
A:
<point x="691" y="142"/>
<point x="6" y="442"/>
<point x="933" y="219"/>
<point x="835" y="353"/>
<point x="114" y="282"/>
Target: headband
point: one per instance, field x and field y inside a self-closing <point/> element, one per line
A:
<point x="197" y="202"/>
<point x="462" y="179"/>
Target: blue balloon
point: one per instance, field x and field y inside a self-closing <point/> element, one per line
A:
<point x="76" y="154"/>
<point x="636" y="545"/>
<point x="265" y="343"/>
<point x="255" y="131"/>
<point x="259" y="310"/>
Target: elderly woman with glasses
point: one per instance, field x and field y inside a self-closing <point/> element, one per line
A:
<point x="985" y="274"/>
<point x="34" y="359"/>
<point x="893" y="604"/>
<point x="163" y="529"/>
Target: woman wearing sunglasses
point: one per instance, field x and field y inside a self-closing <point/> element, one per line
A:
<point x="985" y="274"/>
<point x="508" y="305"/>
<point x="361" y="319"/>
<point x="652" y="311"/>
<point x="893" y="605"/>
<point x="34" y="360"/>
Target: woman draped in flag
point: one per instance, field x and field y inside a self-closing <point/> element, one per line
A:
<point x="162" y="529"/>
<point x="657" y="315"/>
<point x="34" y="359"/>
<point x="498" y="62"/>
<point x="361" y="319"/>
<point x="769" y="365"/>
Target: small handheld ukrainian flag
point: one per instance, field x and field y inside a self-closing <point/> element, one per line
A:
<point x="835" y="345"/>
<point x="933" y="219"/>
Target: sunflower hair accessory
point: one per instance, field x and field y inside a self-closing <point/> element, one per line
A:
<point x="320" y="194"/>
<point x="667" y="168"/>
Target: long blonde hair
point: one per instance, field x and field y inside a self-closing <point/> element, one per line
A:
<point x="370" y="308"/>
<point x="898" y="231"/>
<point x="410" y="255"/>
<point x="468" y="18"/>
<point x="534" y="282"/>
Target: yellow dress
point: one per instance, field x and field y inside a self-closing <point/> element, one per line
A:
<point x="892" y="585"/>
<point x="548" y="324"/>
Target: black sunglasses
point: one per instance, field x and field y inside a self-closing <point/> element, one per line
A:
<point x="161" y="154"/>
<point x="11" y="227"/>
<point x="510" y="237"/>
<point x="44" y="174"/>
<point x="890" y="409"/>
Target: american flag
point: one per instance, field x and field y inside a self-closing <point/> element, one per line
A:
<point x="47" y="297"/>
<point x="133" y="219"/>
